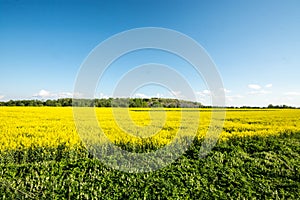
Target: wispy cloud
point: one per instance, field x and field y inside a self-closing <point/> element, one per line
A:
<point x="292" y="93"/>
<point x="269" y="85"/>
<point x="203" y="96"/>
<point x="206" y="95"/>
<point x="177" y="94"/>
<point x="254" y="86"/>
<point x="44" y="94"/>
<point x="260" y="92"/>
<point x="2" y="96"/>
<point x="257" y="89"/>
<point x="232" y="98"/>
<point x="208" y="92"/>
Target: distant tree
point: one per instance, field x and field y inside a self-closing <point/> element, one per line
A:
<point x="19" y="103"/>
<point x="156" y="104"/>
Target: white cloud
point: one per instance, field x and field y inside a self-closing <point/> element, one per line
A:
<point x="2" y="96"/>
<point x="103" y="96"/>
<point x="206" y="92"/>
<point x="65" y="95"/>
<point x="44" y="94"/>
<point x="158" y="95"/>
<point x="209" y="93"/>
<point x="144" y="96"/>
<point x="227" y="91"/>
<point x="269" y="85"/>
<point x="254" y="86"/>
<point x="140" y="95"/>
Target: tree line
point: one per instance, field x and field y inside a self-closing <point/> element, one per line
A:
<point x="122" y="102"/>
<point x="110" y="102"/>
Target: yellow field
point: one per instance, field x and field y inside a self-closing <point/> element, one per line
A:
<point x="22" y="127"/>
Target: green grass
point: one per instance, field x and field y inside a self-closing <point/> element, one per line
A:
<point x="240" y="168"/>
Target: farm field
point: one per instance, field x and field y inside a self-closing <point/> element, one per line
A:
<point x="42" y="156"/>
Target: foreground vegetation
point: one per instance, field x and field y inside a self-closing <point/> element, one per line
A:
<point x="250" y="167"/>
<point x="257" y="156"/>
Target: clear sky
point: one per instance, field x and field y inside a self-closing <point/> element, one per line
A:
<point x="254" y="44"/>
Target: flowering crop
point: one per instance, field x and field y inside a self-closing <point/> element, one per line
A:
<point x="23" y="127"/>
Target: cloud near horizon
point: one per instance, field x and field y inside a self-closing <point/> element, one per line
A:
<point x="140" y="95"/>
<point x="292" y="94"/>
<point x="259" y="92"/>
<point x="44" y="94"/>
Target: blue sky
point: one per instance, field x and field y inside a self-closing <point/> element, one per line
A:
<point x="254" y="44"/>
